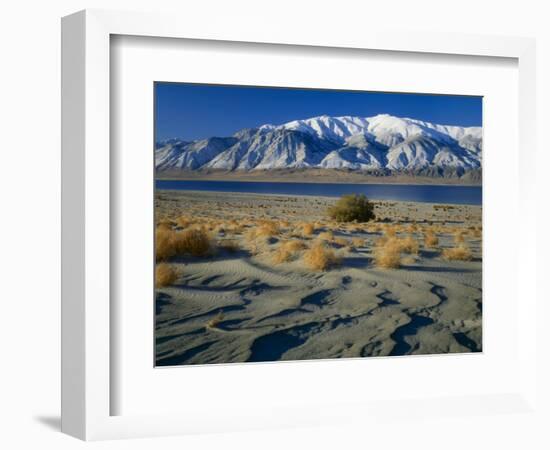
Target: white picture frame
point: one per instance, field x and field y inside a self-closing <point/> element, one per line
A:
<point x="86" y="245"/>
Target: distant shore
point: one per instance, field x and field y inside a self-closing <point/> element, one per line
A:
<point x="315" y="176"/>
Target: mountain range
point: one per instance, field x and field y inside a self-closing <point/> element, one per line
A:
<point x="382" y="143"/>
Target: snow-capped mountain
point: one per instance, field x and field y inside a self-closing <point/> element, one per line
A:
<point x="353" y="143"/>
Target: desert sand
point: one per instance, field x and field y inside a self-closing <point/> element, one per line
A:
<point x="247" y="299"/>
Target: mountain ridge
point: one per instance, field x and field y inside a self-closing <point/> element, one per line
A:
<point x="378" y="143"/>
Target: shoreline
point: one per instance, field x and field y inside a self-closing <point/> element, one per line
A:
<point x="317" y="177"/>
<point x="312" y="196"/>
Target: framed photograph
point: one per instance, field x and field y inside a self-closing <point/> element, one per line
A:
<point x="283" y="224"/>
<point x="320" y="236"/>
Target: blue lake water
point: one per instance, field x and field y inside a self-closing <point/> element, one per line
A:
<point x="458" y="195"/>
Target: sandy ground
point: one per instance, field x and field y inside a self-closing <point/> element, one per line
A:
<point x="237" y="306"/>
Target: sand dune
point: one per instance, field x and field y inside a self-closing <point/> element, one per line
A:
<point x="237" y="305"/>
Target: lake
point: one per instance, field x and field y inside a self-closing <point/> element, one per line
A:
<point x="458" y="195"/>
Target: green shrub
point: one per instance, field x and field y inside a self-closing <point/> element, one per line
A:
<point x="351" y="208"/>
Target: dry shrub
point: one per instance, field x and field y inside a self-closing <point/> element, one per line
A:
<point x="460" y="253"/>
<point x="387" y="253"/>
<point x="195" y="242"/>
<point x="235" y="228"/>
<point x="287" y="250"/>
<point x="390" y="231"/>
<point x="265" y="230"/>
<point x="254" y="233"/>
<point x="215" y="321"/>
<point x="358" y="242"/>
<point x="165" y="275"/>
<point x="376" y="228"/>
<point x="183" y="221"/>
<point x="294" y="234"/>
<point x="408" y="244"/>
<point x="381" y="241"/>
<point x="250" y="234"/>
<point x="165" y="225"/>
<point x="475" y="233"/>
<point x="319" y="257"/>
<point x="408" y="260"/>
<point x="211" y="225"/>
<point x="230" y="245"/>
<point x="281" y="255"/>
<point x="354" y="228"/>
<point x="258" y="246"/>
<point x="412" y="228"/>
<point x="219" y="228"/>
<point x="459" y="237"/>
<point x="326" y="236"/>
<point x="388" y="256"/>
<point x="254" y="242"/>
<point x="198" y="225"/>
<point x="164" y="244"/>
<point x="431" y="240"/>
<point x="351" y="208"/>
<point x="268" y="229"/>
<point x="294" y="245"/>
<point x="307" y="229"/>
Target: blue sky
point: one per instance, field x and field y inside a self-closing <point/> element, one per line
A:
<point x="195" y="111"/>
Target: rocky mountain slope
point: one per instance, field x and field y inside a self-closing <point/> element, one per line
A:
<point x="380" y="143"/>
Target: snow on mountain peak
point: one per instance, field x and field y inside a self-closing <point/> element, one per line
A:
<point x="351" y="142"/>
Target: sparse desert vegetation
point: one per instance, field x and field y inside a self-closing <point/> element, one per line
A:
<point x="307" y="229"/>
<point x="230" y="245"/>
<point x="195" y="242"/>
<point x="287" y="227"/>
<point x="388" y="255"/>
<point x="320" y="257"/>
<point x="351" y="208"/>
<point x="388" y="251"/>
<point x="215" y="321"/>
<point x="267" y="228"/>
<point x="431" y="240"/>
<point x="237" y="270"/>
<point x="294" y="245"/>
<point x="459" y="253"/>
<point x="165" y="275"/>
<point x="164" y="243"/>
<point x="390" y="231"/>
<point x="409" y="245"/>
<point x="459" y="236"/>
<point x="326" y="236"/>
<point x="287" y="251"/>
<point x="170" y="243"/>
